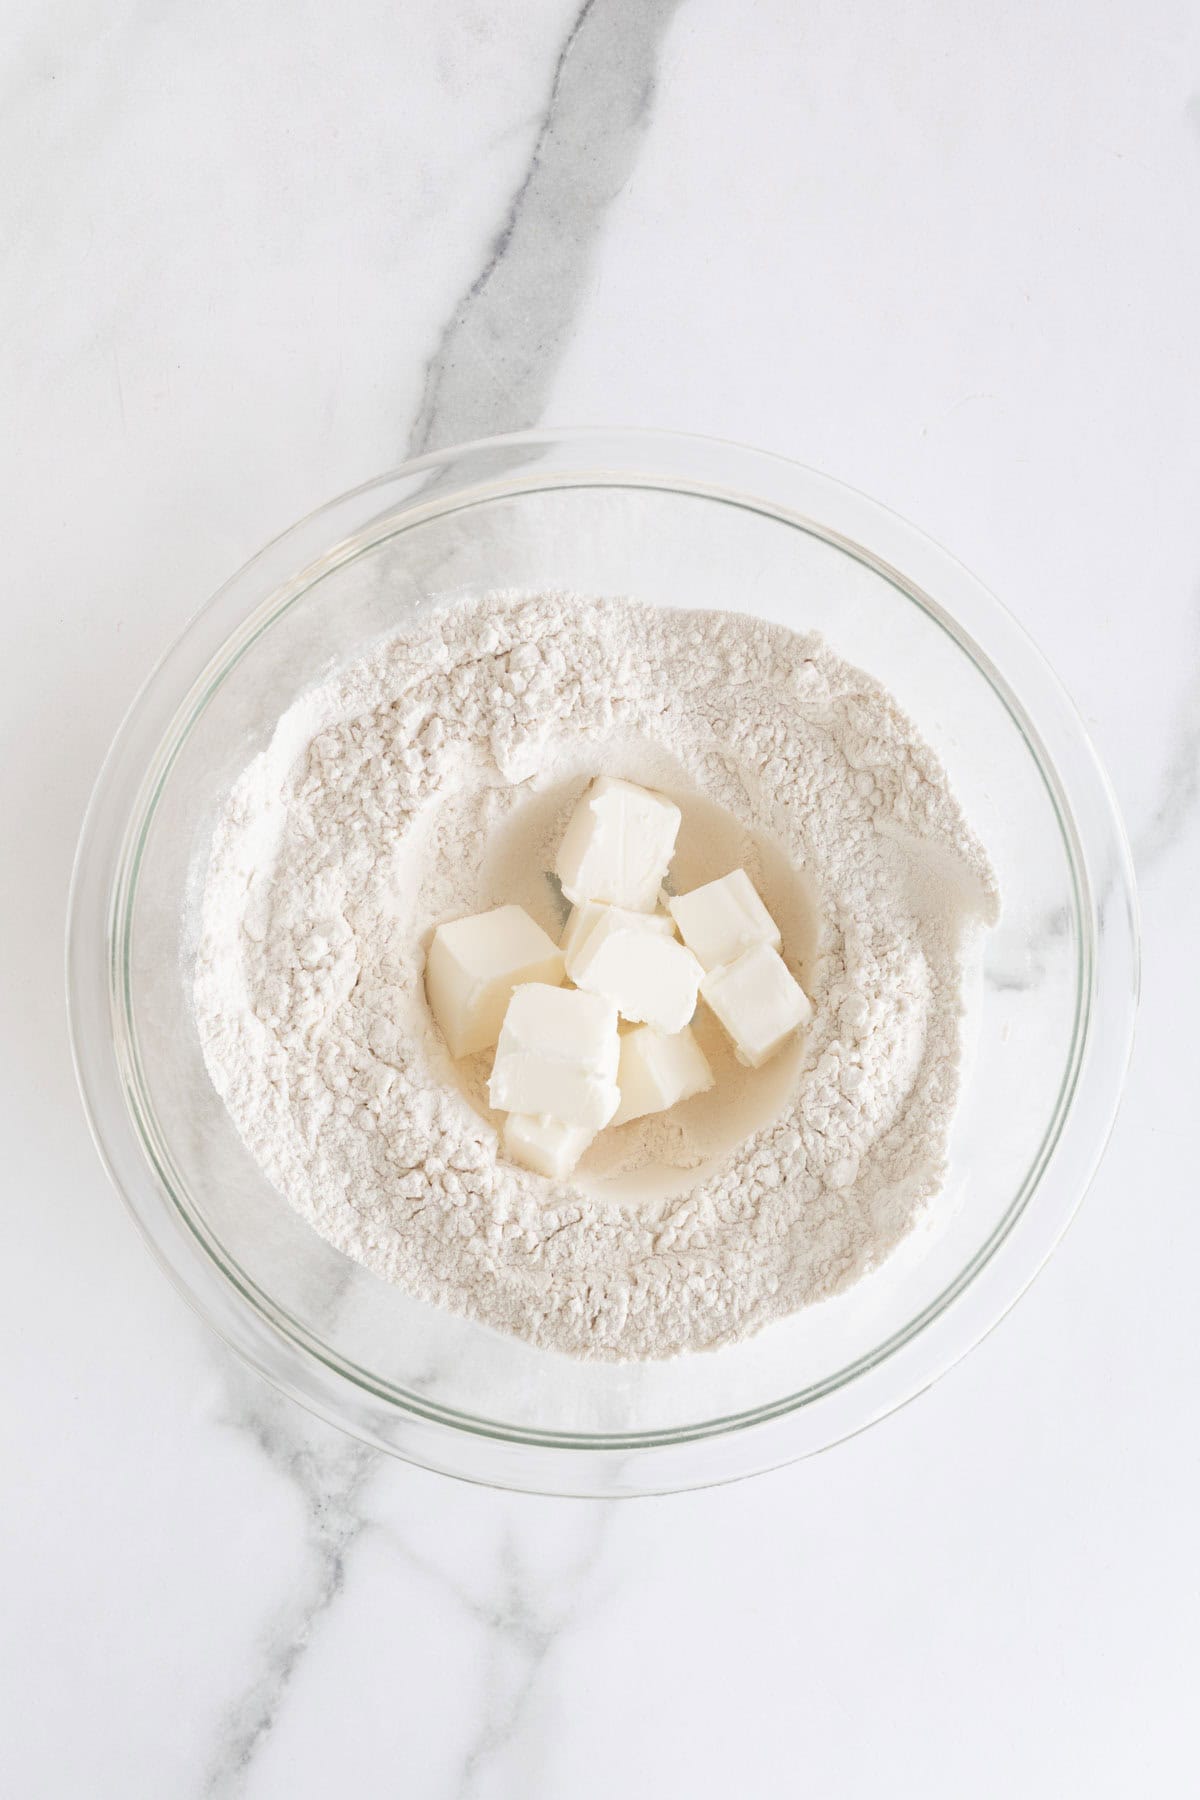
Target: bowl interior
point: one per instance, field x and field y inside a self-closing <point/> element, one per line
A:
<point x="672" y="548"/>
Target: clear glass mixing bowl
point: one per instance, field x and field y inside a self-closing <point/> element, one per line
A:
<point x="677" y="522"/>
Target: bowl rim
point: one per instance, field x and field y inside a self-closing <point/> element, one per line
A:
<point x="139" y="1161"/>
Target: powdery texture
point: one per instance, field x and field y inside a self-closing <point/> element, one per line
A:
<point x="361" y="826"/>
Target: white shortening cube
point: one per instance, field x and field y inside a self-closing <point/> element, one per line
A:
<point x="618" y="845"/>
<point x="588" y="912"/>
<point x="611" y="920"/>
<point x="557" y="1056"/>
<point x="580" y="922"/>
<point x="545" y="1145"/>
<point x="659" y="1069"/>
<point x="640" y="967"/>
<point x="723" y="918"/>
<point x="758" y="1001"/>
<point x="473" y="966"/>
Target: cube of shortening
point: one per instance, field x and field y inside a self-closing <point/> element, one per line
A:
<point x="579" y="923"/>
<point x="592" y="916"/>
<point x="590" y="912"/>
<point x="545" y="1145"/>
<point x="618" y="845"/>
<point x="557" y="1057"/>
<point x="659" y="1069"/>
<point x="473" y="966"/>
<point x="723" y="918"/>
<point x="758" y="1001"/>
<point x="635" y="960"/>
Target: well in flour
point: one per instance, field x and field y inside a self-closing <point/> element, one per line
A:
<point x="437" y="778"/>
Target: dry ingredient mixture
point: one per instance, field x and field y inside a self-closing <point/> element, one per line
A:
<point x="433" y="779"/>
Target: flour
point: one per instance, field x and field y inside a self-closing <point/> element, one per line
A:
<point x="433" y="778"/>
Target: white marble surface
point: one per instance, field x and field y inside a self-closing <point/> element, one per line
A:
<point x="254" y="254"/>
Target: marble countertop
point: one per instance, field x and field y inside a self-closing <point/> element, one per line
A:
<point x="254" y="255"/>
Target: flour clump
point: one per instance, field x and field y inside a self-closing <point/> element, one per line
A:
<point x="432" y="779"/>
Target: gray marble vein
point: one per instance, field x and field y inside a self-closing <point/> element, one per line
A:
<point x="524" y="1618"/>
<point x="498" y="353"/>
<point x="1179" y="787"/>
<point x="330" y="1472"/>
<point x="524" y="1628"/>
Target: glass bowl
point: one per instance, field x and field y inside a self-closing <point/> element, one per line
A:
<point x="676" y="522"/>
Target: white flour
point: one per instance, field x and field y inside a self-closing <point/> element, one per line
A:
<point x="432" y="779"/>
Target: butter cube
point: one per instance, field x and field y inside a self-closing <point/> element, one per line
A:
<point x="649" y="977"/>
<point x="657" y="1070"/>
<point x="618" y="845"/>
<point x="585" y="919"/>
<point x="759" y="1003"/>
<point x="545" y="1145"/>
<point x="557" y="1055"/>
<point x="721" y="919"/>
<point x="473" y="966"/>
